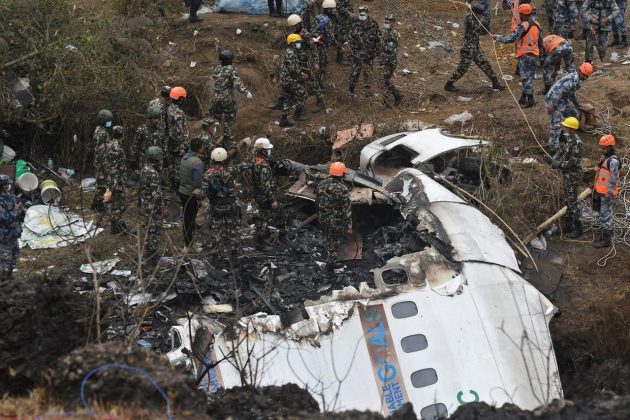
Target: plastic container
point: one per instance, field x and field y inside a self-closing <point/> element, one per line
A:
<point x="50" y="192"/>
<point x="21" y="167"/>
<point x="8" y="154"/>
<point x="27" y="182"/>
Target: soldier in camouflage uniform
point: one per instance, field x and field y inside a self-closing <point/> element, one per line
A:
<point x="559" y="100"/>
<point x="343" y="28"/>
<point x="115" y="171"/>
<point x="323" y="37"/>
<point x="292" y="78"/>
<point x="209" y="138"/>
<point x="151" y="200"/>
<point x="606" y="188"/>
<point x="598" y="15"/>
<point x="223" y="107"/>
<point x="389" y="59"/>
<point x="178" y="133"/>
<point x="219" y="183"/>
<point x="620" y="31"/>
<point x="102" y="136"/>
<point x="151" y="133"/>
<point x="162" y="102"/>
<point x="471" y="51"/>
<point x="333" y="206"/>
<point x="365" y="44"/>
<point x="565" y="18"/>
<point x="556" y="49"/>
<point x="11" y="217"/>
<point x="263" y="187"/>
<point x="568" y="159"/>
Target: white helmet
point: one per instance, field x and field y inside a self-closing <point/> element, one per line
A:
<point x="293" y="20"/>
<point x="263" y="143"/>
<point x="218" y="155"/>
<point x="329" y="4"/>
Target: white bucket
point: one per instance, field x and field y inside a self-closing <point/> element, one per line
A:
<point x="50" y="192"/>
<point x="27" y="182"/>
<point x="8" y="154"/>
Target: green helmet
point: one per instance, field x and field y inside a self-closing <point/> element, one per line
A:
<point x="154" y="112"/>
<point x="104" y="115"/>
<point x="154" y="153"/>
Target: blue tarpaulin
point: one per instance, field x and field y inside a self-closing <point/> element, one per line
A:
<point x="259" y="7"/>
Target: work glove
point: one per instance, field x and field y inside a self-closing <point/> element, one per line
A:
<point x="249" y="95"/>
<point x="555" y="163"/>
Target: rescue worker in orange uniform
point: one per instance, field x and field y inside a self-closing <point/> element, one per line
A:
<point x="606" y="188"/>
<point x="556" y="49"/>
<point x="528" y="38"/>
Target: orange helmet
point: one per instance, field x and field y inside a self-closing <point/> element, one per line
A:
<point x="586" y="69"/>
<point x="607" y="140"/>
<point x="525" y="9"/>
<point x="177" y="93"/>
<point x="337" y="169"/>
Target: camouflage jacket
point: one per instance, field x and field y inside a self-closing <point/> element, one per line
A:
<point x="570" y="153"/>
<point x="178" y="129"/>
<point x="391" y="39"/>
<point x="151" y="199"/>
<point x="306" y="53"/>
<point x="472" y="31"/>
<point x="599" y="10"/>
<point x="101" y="137"/>
<point x="291" y="70"/>
<point x="563" y="91"/>
<point x="10" y="218"/>
<point x="163" y="107"/>
<point x="365" y="40"/>
<point x="333" y="201"/>
<point x="344" y="9"/>
<point x="324" y="30"/>
<point x="226" y="79"/>
<point x="208" y="146"/>
<point x="147" y="136"/>
<point x="219" y="184"/>
<point x="115" y="164"/>
<point x="264" y="185"/>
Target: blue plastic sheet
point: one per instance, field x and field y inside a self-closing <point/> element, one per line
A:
<point x="259" y="7"/>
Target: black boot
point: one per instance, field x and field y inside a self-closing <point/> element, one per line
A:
<point x="299" y="114"/>
<point x="351" y="90"/>
<point x="575" y="231"/>
<point x="605" y="241"/>
<point x="318" y="106"/>
<point x="98" y="206"/>
<point x="623" y="42"/>
<point x="496" y="85"/>
<point x="522" y="99"/>
<point x="584" y="35"/>
<point x="615" y="40"/>
<point x="284" y="121"/>
<point x="529" y="101"/>
<point x="340" y="59"/>
<point x="276" y="106"/>
<point x="449" y="86"/>
<point x="397" y="97"/>
<point x="114" y="228"/>
<point x="547" y="87"/>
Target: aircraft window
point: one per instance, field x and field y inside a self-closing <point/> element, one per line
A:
<point x="434" y="412"/>
<point x="424" y="377"/>
<point x="176" y="340"/>
<point x="394" y="277"/>
<point x="404" y="309"/>
<point x="413" y="343"/>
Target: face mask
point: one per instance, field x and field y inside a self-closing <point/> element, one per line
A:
<point x="298" y="45"/>
<point x="268" y="151"/>
<point x="108" y="124"/>
<point x="386" y="26"/>
<point x="362" y="18"/>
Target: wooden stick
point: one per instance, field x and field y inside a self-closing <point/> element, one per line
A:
<point x="555" y="217"/>
<point x="19" y="60"/>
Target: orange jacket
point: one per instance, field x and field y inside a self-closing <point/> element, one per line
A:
<point x="551" y="42"/>
<point x="528" y="44"/>
<point x="602" y="178"/>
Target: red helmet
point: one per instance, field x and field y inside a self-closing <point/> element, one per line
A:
<point x="337" y="169"/>
<point x="586" y="69"/>
<point x="177" y="93"/>
<point x="607" y="140"/>
<point x="525" y="9"/>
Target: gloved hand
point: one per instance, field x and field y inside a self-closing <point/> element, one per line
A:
<point x="249" y="95"/>
<point x="555" y="163"/>
<point x="607" y="198"/>
<point x="197" y="193"/>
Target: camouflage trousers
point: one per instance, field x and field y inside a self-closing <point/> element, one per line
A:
<point x="322" y="58"/>
<point x="467" y="57"/>
<point x="224" y="110"/>
<point x="333" y="232"/>
<point x="293" y="95"/>
<point x="153" y="231"/>
<point x="562" y="111"/>
<point x="262" y="220"/>
<point x="361" y="66"/>
<point x="527" y="70"/>
<point x="9" y="253"/>
<point x="570" y="184"/>
<point x="224" y="231"/>
<point x="619" y="22"/>
<point x="553" y="60"/>
<point x="172" y="169"/>
<point x="119" y="204"/>
<point x="600" y="38"/>
<point x="101" y="187"/>
<point x="606" y="214"/>
<point x="342" y="30"/>
<point x="549" y="10"/>
<point x="562" y="23"/>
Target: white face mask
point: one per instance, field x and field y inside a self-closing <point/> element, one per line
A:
<point x="108" y="124"/>
<point x="386" y="26"/>
<point x="298" y="45"/>
<point x="362" y="18"/>
<point x="268" y="152"/>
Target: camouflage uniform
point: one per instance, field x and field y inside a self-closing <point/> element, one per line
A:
<point x="527" y="62"/>
<point x="292" y="81"/>
<point x="599" y="10"/>
<point x="619" y="21"/>
<point x="152" y="205"/>
<point x="344" y="21"/>
<point x="560" y="98"/>
<point x="323" y="36"/>
<point x="606" y="206"/>
<point x="101" y="137"/>
<point x="389" y="59"/>
<point x="365" y="44"/>
<point x="223" y="107"/>
<point x="471" y="51"/>
<point x="550" y="6"/>
<point x="147" y="136"/>
<point x="565" y="17"/>
<point x="552" y="62"/>
<point x="208" y="146"/>
<point x="178" y="138"/>
<point x="115" y="171"/>
<point x="219" y="183"/>
<point x="570" y="156"/>
<point x="263" y="187"/>
<point x="163" y="107"/>
<point x="333" y="204"/>
<point x="10" y="231"/>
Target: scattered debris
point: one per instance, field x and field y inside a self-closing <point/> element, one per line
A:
<point x="464" y="99"/>
<point x="508" y="77"/>
<point x="462" y="118"/>
<point x="100" y="267"/>
<point x="344" y="137"/>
